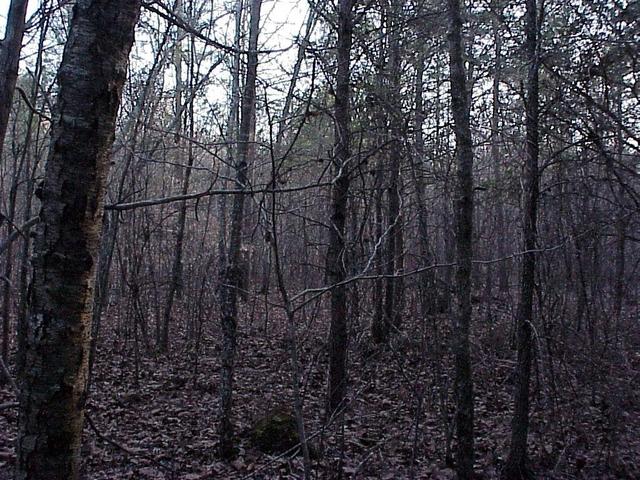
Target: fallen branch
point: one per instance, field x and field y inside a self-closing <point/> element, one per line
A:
<point x="206" y="193"/>
<point x="124" y="448"/>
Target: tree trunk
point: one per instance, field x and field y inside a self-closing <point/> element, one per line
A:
<point x="8" y="267"/>
<point x="230" y="275"/>
<point x="427" y="286"/>
<point x="515" y="467"/>
<point x="394" y="288"/>
<point x="379" y="323"/>
<point x="338" y="333"/>
<point x="176" y="283"/>
<point x="31" y="169"/>
<point x="464" y="246"/>
<point x="54" y="367"/>
<point x="503" y="274"/>
<point x="10" y="48"/>
<point x="231" y="135"/>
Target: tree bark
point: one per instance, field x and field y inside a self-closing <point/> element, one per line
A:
<point x="427" y="286"/>
<point x="176" y="282"/>
<point x="10" y="48"/>
<point x="336" y="273"/>
<point x="460" y="110"/>
<point x="394" y="288"/>
<point x="30" y="172"/>
<point x="8" y="267"/>
<point x="379" y="323"/>
<point x="503" y="274"/>
<point x="516" y="465"/>
<point x="54" y="364"/>
<point x="230" y="275"/>
<point x="231" y="134"/>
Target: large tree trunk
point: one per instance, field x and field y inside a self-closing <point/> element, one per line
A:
<point x="10" y="48"/>
<point x="56" y="349"/>
<point x="464" y="243"/>
<point x="230" y="275"/>
<point x="516" y="465"/>
<point x="336" y="273"/>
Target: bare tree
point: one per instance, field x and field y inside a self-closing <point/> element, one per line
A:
<point x="460" y="110"/>
<point x="230" y="275"/>
<point x="516" y="465"/>
<point x="176" y="282"/>
<point x="336" y="271"/>
<point x="10" y="49"/>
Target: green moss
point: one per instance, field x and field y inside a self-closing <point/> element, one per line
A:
<point x="276" y="432"/>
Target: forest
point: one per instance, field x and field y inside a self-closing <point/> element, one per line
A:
<point x="309" y="239"/>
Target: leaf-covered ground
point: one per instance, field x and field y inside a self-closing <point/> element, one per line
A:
<point x="158" y="420"/>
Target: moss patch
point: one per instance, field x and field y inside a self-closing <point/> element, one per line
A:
<point x="276" y="432"/>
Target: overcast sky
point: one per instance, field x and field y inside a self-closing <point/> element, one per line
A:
<point x="281" y="22"/>
<point x="4" y="8"/>
<point x="278" y="13"/>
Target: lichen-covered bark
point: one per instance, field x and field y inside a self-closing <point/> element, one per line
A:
<point x="54" y="362"/>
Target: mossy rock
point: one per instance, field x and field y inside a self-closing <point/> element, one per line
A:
<point x="276" y="432"/>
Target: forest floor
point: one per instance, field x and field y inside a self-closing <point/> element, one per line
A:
<point x="160" y="422"/>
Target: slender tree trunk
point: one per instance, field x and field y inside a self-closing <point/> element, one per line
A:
<point x="503" y="274"/>
<point x="176" y="283"/>
<point x="336" y="273"/>
<point x="8" y="267"/>
<point x="31" y="167"/>
<point x="516" y="465"/>
<point x="620" y="268"/>
<point x="292" y="331"/>
<point x="464" y="246"/>
<point x="55" y="360"/>
<point x="379" y="323"/>
<point x="427" y="287"/>
<point x="101" y="290"/>
<point x="394" y="288"/>
<point x="620" y="230"/>
<point x="231" y="134"/>
<point x="284" y="120"/>
<point x="230" y="275"/>
<point x="10" y="48"/>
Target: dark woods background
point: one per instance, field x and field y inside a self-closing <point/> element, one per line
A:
<point x="399" y="236"/>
